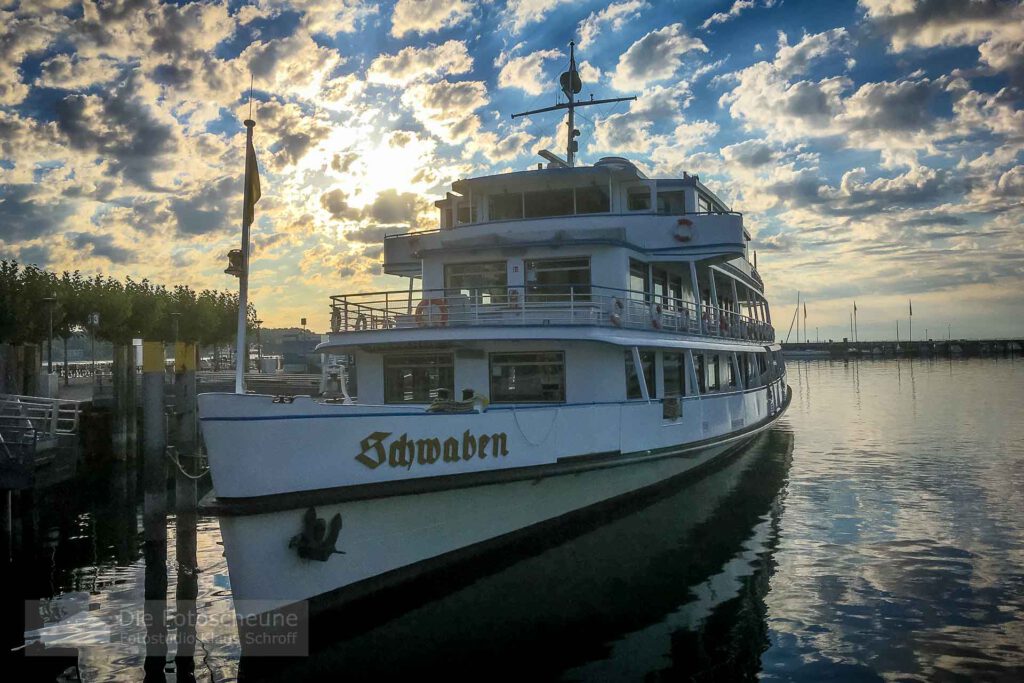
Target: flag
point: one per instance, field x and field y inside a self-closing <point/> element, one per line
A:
<point x="911" y="304"/>
<point x="252" y="184"/>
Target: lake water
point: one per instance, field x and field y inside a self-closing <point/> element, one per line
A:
<point x="876" y="533"/>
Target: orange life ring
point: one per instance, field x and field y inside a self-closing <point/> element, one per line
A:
<point x="421" y="312"/>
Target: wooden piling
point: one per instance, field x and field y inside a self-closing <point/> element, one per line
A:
<point x="119" y="420"/>
<point x="154" y="439"/>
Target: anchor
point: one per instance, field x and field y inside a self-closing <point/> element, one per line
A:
<point x="316" y="542"/>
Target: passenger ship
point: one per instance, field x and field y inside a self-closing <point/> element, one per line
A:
<point x="571" y="335"/>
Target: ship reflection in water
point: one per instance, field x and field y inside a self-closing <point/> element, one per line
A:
<point x="673" y="587"/>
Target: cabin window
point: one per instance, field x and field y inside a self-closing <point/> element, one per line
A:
<point x="698" y="367"/>
<point x="712" y="372"/>
<point x="593" y="199"/>
<point x="549" y="203"/>
<point x="638" y="199"/>
<point x="528" y="377"/>
<point x="730" y="372"/>
<point x="417" y="377"/>
<point x="466" y="214"/>
<point x="503" y="207"/>
<point x="703" y="204"/>
<point x="483" y="283"/>
<point x="632" y="382"/>
<point x="659" y="278"/>
<point x="674" y="373"/>
<point x="671" y="203"/>
<point x="639" y="285"/>
<point x="558" y="279"/>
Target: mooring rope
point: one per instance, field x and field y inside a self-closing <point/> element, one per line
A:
<point x="174" y="458"/>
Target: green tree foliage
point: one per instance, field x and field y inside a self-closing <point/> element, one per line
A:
<point x="126" y="310"/>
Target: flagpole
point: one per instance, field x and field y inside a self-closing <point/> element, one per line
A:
<point x="241" y="353"/>
<point x="911" y="304"/>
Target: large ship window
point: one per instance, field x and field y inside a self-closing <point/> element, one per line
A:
<point x="549" y="203"/>
<point x="698" y="367"/>
<point x="703" y="204"/>
<point x="503" y="207"/>
<point x="730" y="372"/>
<point x="671" y="203"/>
<point x="638" y="199"/>
<point x="417" y="377"/>
<point x="632" y="382"/>
<point x="466" y="214"/>
<point x="639" y="286"/>
<point x="713" y="374"/>
<point x="592" y="199"/>
<point x="528" y="377"/>
<point x="483" y="283"/>
<point x="674" y="370"/>
<point x="558" y="279"/>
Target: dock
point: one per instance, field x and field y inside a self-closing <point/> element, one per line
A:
<point x="951" y="348"/>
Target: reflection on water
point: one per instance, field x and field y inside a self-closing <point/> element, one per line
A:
<point x="876" y="532"/>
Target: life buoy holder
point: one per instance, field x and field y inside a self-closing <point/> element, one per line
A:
<point x="656" y="310"/>
<point x="422" y="319"/>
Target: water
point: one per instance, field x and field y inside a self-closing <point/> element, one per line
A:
<point x="876" y="533"/>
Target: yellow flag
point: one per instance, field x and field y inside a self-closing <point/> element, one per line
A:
<point x="252" y="184"/>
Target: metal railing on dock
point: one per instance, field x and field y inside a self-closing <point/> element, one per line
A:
<point x="33" y="424"/>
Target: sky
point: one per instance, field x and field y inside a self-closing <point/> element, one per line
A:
<point x="875" y="147"/>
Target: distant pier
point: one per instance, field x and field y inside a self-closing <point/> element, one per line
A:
<point x="952" y="348"/>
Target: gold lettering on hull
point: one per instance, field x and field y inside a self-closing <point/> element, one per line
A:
<point x="402" y="452"/>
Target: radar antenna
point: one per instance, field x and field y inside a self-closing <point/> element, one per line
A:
<point x="571" y="86"/>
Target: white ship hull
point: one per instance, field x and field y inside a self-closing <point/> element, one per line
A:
<point x="404" y="514"/>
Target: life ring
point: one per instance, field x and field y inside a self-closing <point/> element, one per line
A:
<point x="682" y="232"/>
<point x="656" y="316"/>
<point x="422" y="318"/>
<point x="616" y="315"/>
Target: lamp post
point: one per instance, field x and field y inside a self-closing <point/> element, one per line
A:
<point x="94" y="322"/>
<point x="259" y="348"/>
<point x="50" y="301"/>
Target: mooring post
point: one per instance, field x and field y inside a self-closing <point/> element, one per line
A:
<point x="185" y="397"/>
<point x="119" y="422"/>
<point x="132" y="432"/>
<point x="154" y="443"/>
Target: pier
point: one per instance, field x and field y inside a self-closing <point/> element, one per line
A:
<point x="922" y="349"/>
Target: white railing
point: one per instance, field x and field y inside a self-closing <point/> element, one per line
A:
<point x="539" y="306"/>
<point x="37" y="423"/>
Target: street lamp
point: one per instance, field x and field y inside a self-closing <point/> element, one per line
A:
<point x="50" y="301"/>
<point x="94" y="322"/>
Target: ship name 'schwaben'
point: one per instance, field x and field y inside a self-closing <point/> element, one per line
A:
<point x="403" y="451"/>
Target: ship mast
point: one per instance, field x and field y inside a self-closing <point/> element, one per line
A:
<point x="571" y="86"/>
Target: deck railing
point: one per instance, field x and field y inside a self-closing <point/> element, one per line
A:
<point x="539" y="306"/>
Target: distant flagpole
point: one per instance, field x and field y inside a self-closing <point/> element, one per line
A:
<point x="855" y="321"/>
<point x="805" y="322"/>
<point x="250" y="197"/>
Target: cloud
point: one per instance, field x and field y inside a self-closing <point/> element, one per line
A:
<point x="721" y="17"/>
<point x="614" y="16"/>
<point x="26" y="213"/>
<point x="70" y="72"/>
<point x="288" y="132"/>
<point x="426" y="16"/>
<point x="750" y="153"/>
<point x="445" y="108"/>
<point x="527" y="72"/>
<point x="995" y="26"/>
<point x="413" y="63"/>
<point x="791" y="60"/>
<point x="521" y="13"/>
<point x="655" y="57"/>
<point x="102" y="246"/>
<point x="295" y="65"/>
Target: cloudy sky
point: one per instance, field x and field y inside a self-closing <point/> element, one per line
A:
<point x="874" y="146"/>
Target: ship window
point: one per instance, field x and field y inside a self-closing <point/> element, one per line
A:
<point x="549" y="203"/>
<point x="674" y="370"/>
<point x="713" y="374"/>
<point x="703" y="204"/>
<point x="698" y="367"/>
<point x="592" y="199"/>
<point x="505" y="207"/>
<point x="659" y="277"/>
<point x="632" y="382"/>
<point x="671" y="203"/>
<point x="730" y="372"/>
<point x="417" y="377"/>
<point x="638" y="199"/>
<point x="528" y="377"/>
<point x="558" y="279"/>
<point x="465" y="215"/>
<point x="483" y="283"/>
<point x="639" y="286"/>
